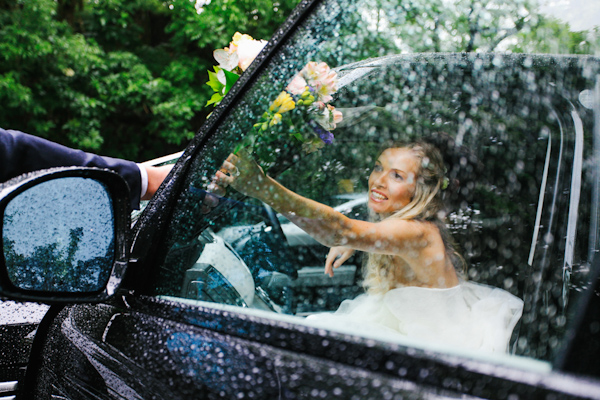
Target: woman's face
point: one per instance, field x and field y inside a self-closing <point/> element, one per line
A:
<point x="392" y="182"/>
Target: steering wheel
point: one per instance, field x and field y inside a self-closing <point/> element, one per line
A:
<point x="274" y="221"/>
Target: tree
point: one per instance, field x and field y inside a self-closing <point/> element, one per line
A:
<point x="122" y="78"/>
<point x="549" y="35"/>
<point x="422" y="26"/>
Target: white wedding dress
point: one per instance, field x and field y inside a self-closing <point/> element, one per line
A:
<point x="469" y="315"/>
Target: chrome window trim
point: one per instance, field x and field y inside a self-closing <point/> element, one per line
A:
<point x="538" y="216"/>
<point x="9" y="386"/>
<point x="8" y="390"/>
<point x="595" y="212"/>
<point x="575" y="195"/>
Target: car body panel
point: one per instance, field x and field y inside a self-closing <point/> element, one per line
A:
<point x="140" y="347"/>
<point x="18" y="326"/>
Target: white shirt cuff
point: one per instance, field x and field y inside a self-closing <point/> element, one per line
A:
<point x="144" y="175"/>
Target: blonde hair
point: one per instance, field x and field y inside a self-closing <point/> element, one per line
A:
<point x="427" y="204"/>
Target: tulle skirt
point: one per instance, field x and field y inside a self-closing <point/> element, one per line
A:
<point x="470" y="315"/>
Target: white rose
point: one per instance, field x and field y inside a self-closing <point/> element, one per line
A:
<point x="247" y="50"/>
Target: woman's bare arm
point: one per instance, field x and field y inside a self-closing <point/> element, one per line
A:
<point x="418" y="243"/>
<point x="328" y="226"/>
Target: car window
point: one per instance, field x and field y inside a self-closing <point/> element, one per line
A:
<point x="518" y="139"/>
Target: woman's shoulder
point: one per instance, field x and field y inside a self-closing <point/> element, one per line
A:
<point x="418" y="228"/>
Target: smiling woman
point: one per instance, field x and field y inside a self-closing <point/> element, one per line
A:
<point x="393" y="181"/>
<point x="409" y="248"/>
<point x="407" y="211"/>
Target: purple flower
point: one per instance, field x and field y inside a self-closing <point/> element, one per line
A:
<point x="326" y="136"/>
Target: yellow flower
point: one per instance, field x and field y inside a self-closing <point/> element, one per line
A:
<point x="237" y="37"/>
<point x="282" y="103"/>
<point x="276" y="119"/>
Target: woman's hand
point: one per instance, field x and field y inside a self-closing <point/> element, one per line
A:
<point x="243" y="174"/>
<point x="238" y="171"/>
<point x="336" y="257"/>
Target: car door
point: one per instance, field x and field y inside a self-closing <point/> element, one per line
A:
<point x="213" y="305"/>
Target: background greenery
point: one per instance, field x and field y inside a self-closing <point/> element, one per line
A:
<point x="119" y="77"/>
<point x="126" y="77"/>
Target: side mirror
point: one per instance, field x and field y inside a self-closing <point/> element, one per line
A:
<point x="64" y="235"/>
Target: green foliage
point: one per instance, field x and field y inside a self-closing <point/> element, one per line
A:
<point x="219" y="88"/>
<point x="119" y="77"/>
<point x="550" y="35"/>
<point x="212" y="25"/>
<point x="55" y="268"/>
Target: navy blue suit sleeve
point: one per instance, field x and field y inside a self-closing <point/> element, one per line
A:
<point x="21" y="153"/>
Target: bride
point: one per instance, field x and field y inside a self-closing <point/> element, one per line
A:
<point x="413" y="278"/>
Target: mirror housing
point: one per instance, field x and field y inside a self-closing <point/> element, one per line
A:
<point x="64" y="235"/>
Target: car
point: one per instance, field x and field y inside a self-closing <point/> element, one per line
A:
<point x="197" y="302"/>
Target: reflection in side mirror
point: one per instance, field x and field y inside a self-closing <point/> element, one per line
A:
<point x="58" y="236"/>
<point x="64" y="235"/>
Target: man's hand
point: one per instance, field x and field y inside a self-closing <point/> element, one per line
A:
<point x="156" y="175"/>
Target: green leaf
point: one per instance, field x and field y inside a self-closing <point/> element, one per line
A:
<point x="298" y="136"/>
<point x="230" y="79"/>
<point x="215" y="99"/>
<point x="213" y="81"/>
<point x="248" y="142"/>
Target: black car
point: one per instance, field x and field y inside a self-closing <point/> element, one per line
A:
<point x="170" y="308"/>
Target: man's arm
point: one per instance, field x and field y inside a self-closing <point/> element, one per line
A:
<point x="21" y="153"/>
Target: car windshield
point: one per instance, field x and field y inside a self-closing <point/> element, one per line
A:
<point x="517" y="136"/>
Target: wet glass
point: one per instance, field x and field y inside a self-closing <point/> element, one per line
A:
<point x="522" y="203"/>
<point x="58" y="236"/>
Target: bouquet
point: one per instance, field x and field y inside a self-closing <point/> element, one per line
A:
<point x="300" y="115"/>
<point x="233" y="60"/>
